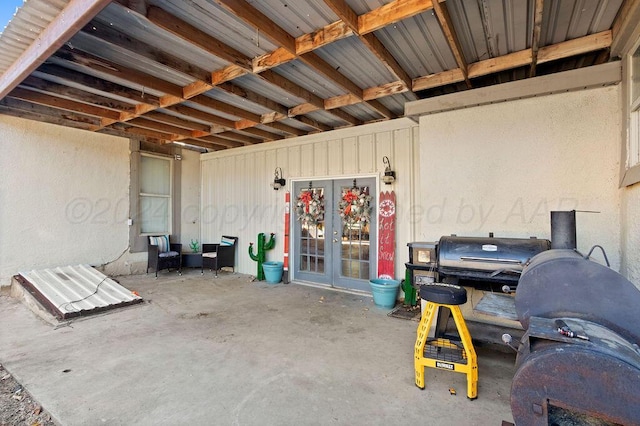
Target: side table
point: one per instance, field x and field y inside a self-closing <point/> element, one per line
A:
<point x="192" y="260"/>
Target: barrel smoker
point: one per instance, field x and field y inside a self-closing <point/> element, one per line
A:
<point x="578" y="361"/>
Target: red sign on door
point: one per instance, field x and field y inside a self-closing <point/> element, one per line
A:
<point x="387" y="235"/>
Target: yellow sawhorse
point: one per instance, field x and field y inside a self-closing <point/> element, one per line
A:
<point x="443" y="353"/>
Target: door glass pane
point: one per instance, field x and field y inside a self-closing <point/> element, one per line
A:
<point x="312" y="231"/>
<point x="356" y="219"/>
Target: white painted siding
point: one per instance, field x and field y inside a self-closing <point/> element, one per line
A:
<point x="237" y="199"/>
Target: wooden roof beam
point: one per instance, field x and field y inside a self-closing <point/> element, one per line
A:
<point x="119" y="71"/>
<point x="535" y="36"/>
<point x="521" y="58"/>
<point x="107" y="34"/>
<point x="193" y="35"/>
<point x="31" y="111"/>
<point x="625" y="28"/>
<point x="217" y="105"/>
<point x="220" y="141"/>
<point x="350" y="19"/>
<point x="62" y="103"/>
<point x="444" y="19"/>
<point x="176" y="121"/>
<point x="202" y="144"/>
<point x="577" y="46"/>
<point x="75" y="15"/>
<point x="60" y="90"/>
<point x="270" y="29"/>
<point x="234" y="136"/>
<point x="392" y="12"/>
<point x="160" y="127"/>
<point x="100" y="85"/>
<point x="144" y="133"/>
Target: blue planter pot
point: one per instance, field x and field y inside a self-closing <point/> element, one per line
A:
<point x="273" y="271"/>
<point x="385" y="292"/>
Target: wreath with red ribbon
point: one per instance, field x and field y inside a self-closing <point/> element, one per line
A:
<point x="309" y="207"/>
<point x="355" y="205"/>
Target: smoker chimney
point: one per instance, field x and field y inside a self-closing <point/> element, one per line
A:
<point x="563" y="230"/>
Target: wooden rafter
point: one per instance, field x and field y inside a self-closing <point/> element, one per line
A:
<point x="391" y="12"/>
<point x="106" y="87"/>
<point x="271" y="30"/>
<point x="350" y="19"/>
<point x="535" y="37"/>
<point x="74" y="16"/>
<point x="62" y="103"/>
<point x="60" y="90"/>
<point x="549" y="53"/>
<point x="442" y="14"/>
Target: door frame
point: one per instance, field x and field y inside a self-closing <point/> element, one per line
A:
<point x="293" y="220"/>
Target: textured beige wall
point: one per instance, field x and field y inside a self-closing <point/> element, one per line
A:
<point x="502" y="168"/>
<point x="64" y="197"/>
<point x="190" y="198"/>
<point x="631" y="233"/>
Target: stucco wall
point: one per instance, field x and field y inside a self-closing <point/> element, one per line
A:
<point x="190" y="198"/>
<point x="64" y="197"/>
<point x="502" y="168"/>
<point x="631" y="233"/>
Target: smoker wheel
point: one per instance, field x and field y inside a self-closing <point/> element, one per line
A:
<point x="446" y="294"/>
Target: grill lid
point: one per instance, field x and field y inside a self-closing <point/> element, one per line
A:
<point x="489" y="255"/>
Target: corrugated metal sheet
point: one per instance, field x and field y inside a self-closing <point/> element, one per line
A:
<point x="306" y="17"/>
<point x="72" y="291"/>
<point x="255" y="84"/>
<point x="130" y="23"/>
<point x="217" y="22"/>
<point x="569" y="19"/>
<point x="352" y="59"/>
<point x="304" y="76"/>
<point x="25" y="27"/>
<point x="418" y="45"/>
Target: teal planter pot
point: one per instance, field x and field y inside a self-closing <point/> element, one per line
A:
<point x="273" y="271"/>
<point x="385" y="292"/>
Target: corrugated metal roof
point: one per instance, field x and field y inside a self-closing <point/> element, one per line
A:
<point x="71" y="291"/>
<point x="25" y="27"/>
<point x="155" y="39"/>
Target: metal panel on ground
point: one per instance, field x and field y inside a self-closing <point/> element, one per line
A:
<point x="72" y="291"/>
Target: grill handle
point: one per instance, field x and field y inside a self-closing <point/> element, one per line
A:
<point x="490" y="259"/>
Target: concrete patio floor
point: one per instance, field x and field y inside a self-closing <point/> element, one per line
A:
<point x="226" y="351"/>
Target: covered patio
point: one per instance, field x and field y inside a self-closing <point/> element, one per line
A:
<point x="230" y="351"/>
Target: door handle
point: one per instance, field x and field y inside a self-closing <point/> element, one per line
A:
<point x="335" y="232"/>
<point x="335" y="240"/>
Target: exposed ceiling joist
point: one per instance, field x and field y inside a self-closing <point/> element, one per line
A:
<point x="75" y="15"/>
<point x="206" y="75"/>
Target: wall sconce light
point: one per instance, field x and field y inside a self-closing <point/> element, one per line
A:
<point x="389" y="175"/>
<point x="278" y="180"/>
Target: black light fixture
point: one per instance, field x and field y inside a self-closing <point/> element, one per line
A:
<point x="278" y="180"/>
<point x="389" y="175"/>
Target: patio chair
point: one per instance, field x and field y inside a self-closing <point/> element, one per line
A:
<point x="217" y="256"/>
<point x="163" y="254"/>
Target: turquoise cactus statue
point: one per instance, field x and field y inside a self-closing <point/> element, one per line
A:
<point x="195" y="246"/>
<point x="261" y="255"/>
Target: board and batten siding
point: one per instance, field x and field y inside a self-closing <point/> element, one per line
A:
<point x="237" y="198"/>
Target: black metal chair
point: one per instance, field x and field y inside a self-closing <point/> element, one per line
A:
<point x="159" y="259"/>
<point x="218" y="256"/>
